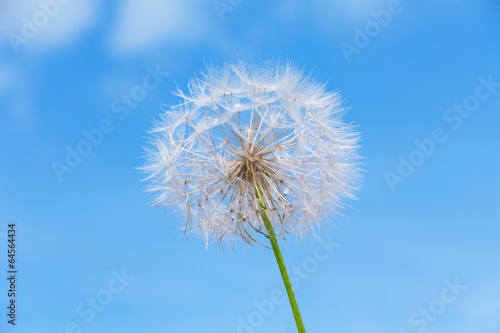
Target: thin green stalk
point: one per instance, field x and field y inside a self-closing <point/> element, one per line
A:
<point x="279" y="259"/>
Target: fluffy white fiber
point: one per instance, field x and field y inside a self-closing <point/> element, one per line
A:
<point x="244" y="126"/>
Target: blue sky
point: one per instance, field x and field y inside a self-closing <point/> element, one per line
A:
<point x="417" y="252"/>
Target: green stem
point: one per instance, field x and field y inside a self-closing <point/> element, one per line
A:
<point x="279" y="259"/>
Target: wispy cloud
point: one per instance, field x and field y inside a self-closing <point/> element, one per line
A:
<point x="35" y="25"/>
<point x="144" y="24"/>
<point x="6" y="77"/>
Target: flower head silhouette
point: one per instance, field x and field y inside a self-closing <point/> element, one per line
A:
<point x="245" y="127"/>
<point x="250" y="149"/>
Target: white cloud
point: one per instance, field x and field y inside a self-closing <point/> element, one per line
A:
<point x="6" y="77"/>
<point x="54" y="24"/>
<point x="147" y="23"/>
<point x="483" y="306"/>
<point x="353" y="10"/>
<point x="142" y="25"/>
<point x="15" y="92"/>
<point x="360" y="9"/>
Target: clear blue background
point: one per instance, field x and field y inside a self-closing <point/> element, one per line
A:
<point x="397" y="247"/>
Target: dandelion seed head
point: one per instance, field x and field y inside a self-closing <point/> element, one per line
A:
<point x="245" y="126"/>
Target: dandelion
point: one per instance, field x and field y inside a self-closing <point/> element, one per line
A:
<point x="254" y="149"/>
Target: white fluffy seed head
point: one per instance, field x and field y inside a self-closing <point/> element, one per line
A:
<point x="246" y="126"/>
